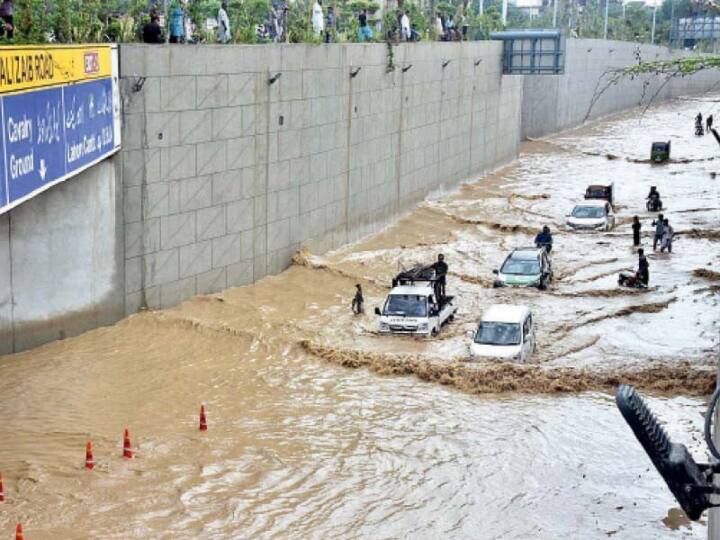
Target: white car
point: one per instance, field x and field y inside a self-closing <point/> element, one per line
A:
<point x="592" y="215"/>
<point x="505" y="332"/>
<point x="412" y="309"/>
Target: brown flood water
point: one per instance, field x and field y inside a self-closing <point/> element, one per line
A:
<point x="418" y="442"/>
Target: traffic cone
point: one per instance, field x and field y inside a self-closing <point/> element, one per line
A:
<point x="18" y="532"/>
<point x="127" y="448"/>
<point x="2" y="493"/>
<point x="89" y="460"/>
<point x="203" y="420"/>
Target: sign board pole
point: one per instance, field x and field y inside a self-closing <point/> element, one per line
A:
<point x="607" y="8"/>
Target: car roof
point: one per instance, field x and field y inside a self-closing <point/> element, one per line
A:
<point x="422" y="290"/>
<point x="526" y="254"/>
<point x="593" y="202"/>
<point x="507" y="313"/>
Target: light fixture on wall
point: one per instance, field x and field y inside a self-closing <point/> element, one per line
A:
<point x="477" y="62"/>
<point x="446" y="63"/>
<point x="274" y="78"/>
<point x="354" y="72"/>
<point x="138" y="84"/>
<point x="407" y="68"/>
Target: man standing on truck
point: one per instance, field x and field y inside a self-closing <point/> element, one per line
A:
<point x="441" y="269"/>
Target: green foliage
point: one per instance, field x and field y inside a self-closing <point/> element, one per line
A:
<point x="356" y="6"/>
<point x="77" y="21"/>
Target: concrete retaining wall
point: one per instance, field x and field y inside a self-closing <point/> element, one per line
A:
<point x="227" y="175"/>
<point x="61" y="259"/>
<point x="555" y="103"/>
<point x="224" y="175"/>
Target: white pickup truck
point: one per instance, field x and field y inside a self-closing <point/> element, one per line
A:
<point x="412" y="307"/>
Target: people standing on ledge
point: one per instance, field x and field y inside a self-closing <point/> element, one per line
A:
<point x="223" y="24"/>
<point x="151" y="32"/>
<point x="7" y="12"/>
<point x="365" y="32"/>
<point x="405" y="26"/>
<point x="177" y="26"/>
<point x="318" y="19"/>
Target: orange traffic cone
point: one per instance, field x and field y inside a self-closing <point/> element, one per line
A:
<point x="2" y="493"/>
<point x="18" y="532"/>
<point x="127" y="448"/>
<point x="89" y="460"/>
<point x="203" y="420"/>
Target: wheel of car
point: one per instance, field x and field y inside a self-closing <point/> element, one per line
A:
<point x="542" y="285"/>
<point x="434" y="331"/>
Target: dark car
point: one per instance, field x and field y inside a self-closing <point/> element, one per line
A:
<point x="603" y="192"/>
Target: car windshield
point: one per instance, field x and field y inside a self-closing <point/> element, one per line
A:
<point x="406" y="305"/>
<point x="521" y="267"/>
<point x="496" y="333"/>
<point x="591" y="212"/>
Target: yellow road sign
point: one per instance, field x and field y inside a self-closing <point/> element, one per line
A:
<point x="29" y="67"/>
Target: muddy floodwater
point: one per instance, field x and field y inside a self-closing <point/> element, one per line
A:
<point x="319" y="427"/>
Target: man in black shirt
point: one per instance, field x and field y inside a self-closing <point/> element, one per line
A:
<point x="643" y="272"/>
<point x="364" y="33"/>
<point x="152" y="33"/>
<point x="441" y="269"/>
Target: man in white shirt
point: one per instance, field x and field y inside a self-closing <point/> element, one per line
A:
<point x="405" y="26"/>
<point x="318" y="19"/>
<point x="223" y="24"/>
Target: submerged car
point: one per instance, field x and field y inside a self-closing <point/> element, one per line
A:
<point x="601" y="192"/>
<point x="592" y="215"/>
<point x="505" y="332"/>
<point x="525" y="267"/>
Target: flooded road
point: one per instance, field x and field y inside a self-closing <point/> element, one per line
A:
<point x="418" y="443"/>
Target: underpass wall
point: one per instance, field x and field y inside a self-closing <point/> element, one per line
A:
<point x="61" y="257"/>
<point x="555" y="103"/>
<point x="234" y="157"/>
<point x="237" y="156"/>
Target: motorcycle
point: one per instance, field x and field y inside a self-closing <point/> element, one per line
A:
<point x="630" y="280"/>
<point x="654" y="204"/>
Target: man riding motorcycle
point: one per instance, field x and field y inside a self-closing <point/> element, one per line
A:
<point x="654" y="203"/>
<point x="699" y="125"/>
<point x="544" y="239"/>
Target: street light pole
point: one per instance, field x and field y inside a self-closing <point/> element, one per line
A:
<point x="555" y="3"/>
<point x="652" y="36"/>
<point x="166" y="22"/>
<point x="607" y="7"/>
<point x="504" y="12"/>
